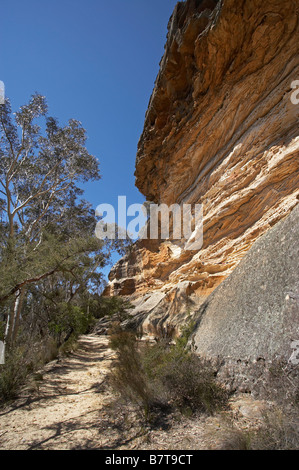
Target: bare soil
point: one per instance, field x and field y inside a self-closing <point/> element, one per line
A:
<point x="70" y="405"/>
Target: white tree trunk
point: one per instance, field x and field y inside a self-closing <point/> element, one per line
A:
<point x="13" y="319"/>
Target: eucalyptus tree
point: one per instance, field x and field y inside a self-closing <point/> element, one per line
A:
<point x="46" y="228"/>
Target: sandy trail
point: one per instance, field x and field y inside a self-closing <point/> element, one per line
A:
<point x="67" y="409"/>
<point x="73" y="408"/>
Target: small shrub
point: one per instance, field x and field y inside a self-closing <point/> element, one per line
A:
<point x="114" y="306"/>
<point x="13" y="374"/>
<point x="21" y="360"/>
<point x="128" y="377"/>
<point x="70" y="321"/>
<point x="183" y="340"/>
<point x="190" y="384"/>
<point x="163" y="375"/>
<point x="278" y="432"/>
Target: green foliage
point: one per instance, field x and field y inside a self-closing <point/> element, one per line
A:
<point x="191" y="385"/>
<point x="128" y="377"/>
<point x="114" y="307"/>
<point x="50" y="259"/>
<point x="19" y="363"/>
<point x="163" y="375"/>
<point x="12" y="375"/>
<point x="46" y="226"/>
<point x="28" y="354"/>
<point x="184" y="338"/>
<point x="69" y="320"/>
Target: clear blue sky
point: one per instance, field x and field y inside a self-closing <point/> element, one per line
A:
<point x="95" y="61"/>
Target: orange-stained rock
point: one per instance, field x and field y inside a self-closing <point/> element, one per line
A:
<point x="220" y="130"/>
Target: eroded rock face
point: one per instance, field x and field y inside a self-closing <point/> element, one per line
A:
<point x="254" y="313"/>
<point x="221" y="131"/>
<point x="250" y="323"/>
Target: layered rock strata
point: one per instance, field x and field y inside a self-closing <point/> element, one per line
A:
<point x="254" y="313"/>
<point x="221" y="130"/>
<point x="250" y="324"/>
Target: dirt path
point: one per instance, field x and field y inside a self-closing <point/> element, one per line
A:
<point x="73" y="407"/>
<point x="65" y="410"/>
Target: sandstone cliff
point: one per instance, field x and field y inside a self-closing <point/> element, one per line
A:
<point x="220" y="130"/>
<point x="252" y="318"/>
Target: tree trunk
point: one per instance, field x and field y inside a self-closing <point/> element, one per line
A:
<point x="18" y="312"/>
<point x="13" y="320"/>
<point x="9" y="322"/>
